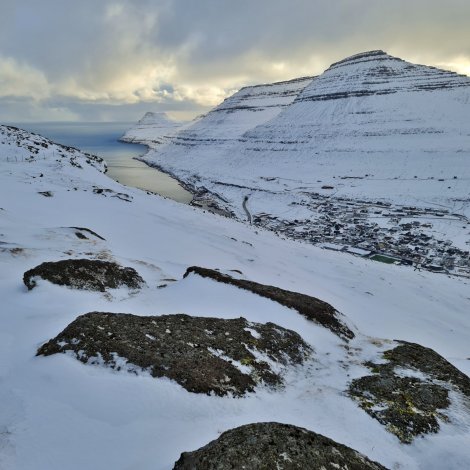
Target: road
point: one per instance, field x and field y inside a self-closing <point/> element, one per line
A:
<point x="248" y="215"/>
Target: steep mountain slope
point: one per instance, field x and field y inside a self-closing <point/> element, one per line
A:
<point x="247" y="108"/>
<point x="211" y="135"/>
<point x="372" y="128"/>
<point x="372" y="112"/>
<point x="59" y="412"/>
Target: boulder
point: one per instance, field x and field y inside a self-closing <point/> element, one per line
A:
<point x="267" y="446"/>
<point x="86" y="274"/>
<point x="313" y="309"/>
<point x="410" y="392"/>
<point x="203" y="355"/>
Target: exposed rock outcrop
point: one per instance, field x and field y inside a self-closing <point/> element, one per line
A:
<point x="409" y="393"/>
<point x="204" y="355"/>
<point x="267" y="446"/>
<point x="312" y="308"/>
<point x="85" y="274"/>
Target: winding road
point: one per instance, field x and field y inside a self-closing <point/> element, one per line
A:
<point x="248" y="215"/>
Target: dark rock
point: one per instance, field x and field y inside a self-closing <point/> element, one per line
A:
<point x="429" y="362"/>
<point x="267" y="446"/>
<point x="84" y="274"/>
<point x="409" y="393"/>
<point x="203" y="355"/>
<point x="312" y="308"/>
<point x="91" y="232"/>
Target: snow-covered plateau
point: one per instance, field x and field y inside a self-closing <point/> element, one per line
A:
<point x="374" y="356"/>
<point x="373" y="154"/>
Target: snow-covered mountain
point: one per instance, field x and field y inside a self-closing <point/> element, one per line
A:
<point x="371" y="129"/>
<point x="372" y="112"/>
<point x="102" y="404"/>
<point x="152" y="128"/>
<point x="226" y="123"/>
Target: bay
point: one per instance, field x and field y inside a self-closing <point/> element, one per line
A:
<point x="102" y="139"/>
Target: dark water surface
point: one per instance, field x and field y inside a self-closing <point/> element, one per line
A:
<point x="101" y="139"/>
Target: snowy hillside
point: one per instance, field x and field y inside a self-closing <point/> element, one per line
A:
<point x="373" y="155"/>
<point x="102" y="404"/>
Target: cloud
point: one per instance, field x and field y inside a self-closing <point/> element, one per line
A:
<point x="21" y="80"/>
<point x="189" y="55"/>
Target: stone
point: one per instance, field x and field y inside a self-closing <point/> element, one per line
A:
<point x="268" y="446"/>
<point x="410" y="392"/>
<point x="85" y="274"/>
<point x="313" y="309"/>
<point x="204" y="355"/>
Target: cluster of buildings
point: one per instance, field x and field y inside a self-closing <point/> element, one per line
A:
<point x="378" y="230"/>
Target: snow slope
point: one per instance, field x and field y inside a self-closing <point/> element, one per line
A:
<point x="58" y="413"/>
<point x="370" y="128"/>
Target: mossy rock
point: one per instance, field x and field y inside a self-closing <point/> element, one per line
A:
<point x="410" y="393"/>
<point x="428" y="361"/>
<point x="86" y="274"/>
<point x="203" y="355"/>
<point x="313" y="309"/>
<point x="268" y="446"/>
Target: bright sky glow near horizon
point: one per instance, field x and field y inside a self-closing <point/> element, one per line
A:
<point x="112" y="60"/>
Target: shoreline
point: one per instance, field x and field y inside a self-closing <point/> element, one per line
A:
<point x="201" y="198"/>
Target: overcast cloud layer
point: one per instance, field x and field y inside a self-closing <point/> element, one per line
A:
<point x="114" y="59"/>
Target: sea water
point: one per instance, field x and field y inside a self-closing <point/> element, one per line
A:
<point x="102" y="139"/>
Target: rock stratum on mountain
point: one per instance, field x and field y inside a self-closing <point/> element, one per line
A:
<point x="372" y="156"/>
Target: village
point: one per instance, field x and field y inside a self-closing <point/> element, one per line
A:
<point x="377" y="230"/>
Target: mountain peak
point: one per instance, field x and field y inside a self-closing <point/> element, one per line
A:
<point x="378" y="73"/>
<point x="362" y="57"/>
<point x="154" y="118"/>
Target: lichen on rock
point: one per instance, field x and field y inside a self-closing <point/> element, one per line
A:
<point x="268" y="446"/>
<point x="86" y="274"/>
<point x="410" y="392"/>
<point x="203" y="355"/>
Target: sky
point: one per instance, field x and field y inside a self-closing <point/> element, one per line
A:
<point x="113" y="60"/>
